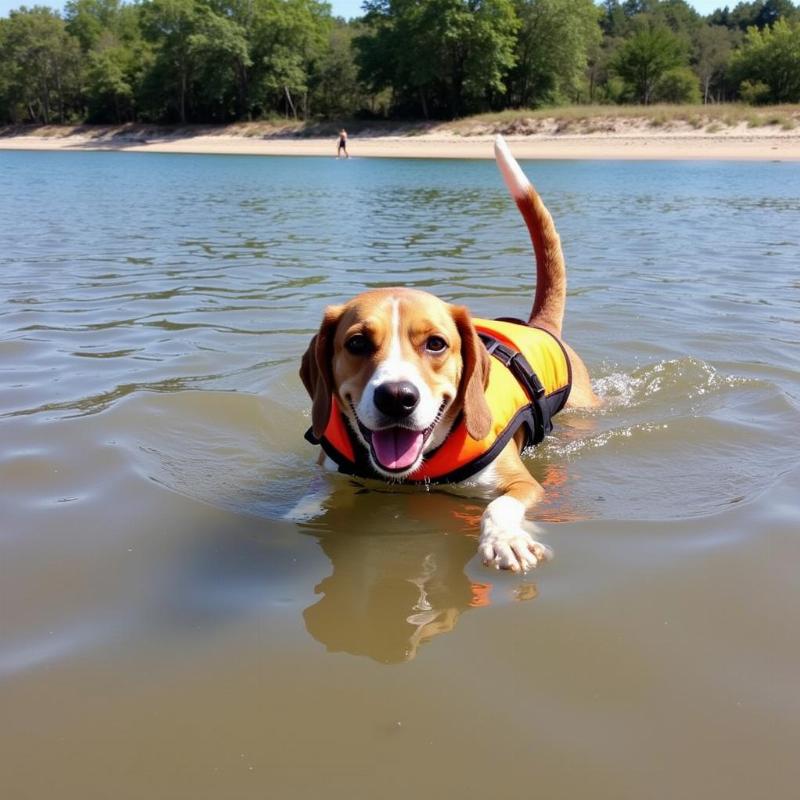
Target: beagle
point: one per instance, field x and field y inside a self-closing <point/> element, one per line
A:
<point x="407" y="388"/>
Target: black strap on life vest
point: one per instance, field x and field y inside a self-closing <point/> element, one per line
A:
<point x="521" y="369"/>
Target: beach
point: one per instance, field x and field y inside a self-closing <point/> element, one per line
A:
<point x="623" y="142"/>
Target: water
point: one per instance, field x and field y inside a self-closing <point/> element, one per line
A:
<point x="189" y="609"/>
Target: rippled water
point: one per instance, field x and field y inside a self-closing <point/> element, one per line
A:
<point x="189" y="609"/>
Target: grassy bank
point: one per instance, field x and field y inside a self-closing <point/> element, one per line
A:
<point x="600" y="119"/>
<point x="566" y="121"/>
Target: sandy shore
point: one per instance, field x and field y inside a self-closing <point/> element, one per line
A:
<point x="739" y="143"/>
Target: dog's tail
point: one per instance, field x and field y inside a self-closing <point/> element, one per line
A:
<point x="551" y="274"/>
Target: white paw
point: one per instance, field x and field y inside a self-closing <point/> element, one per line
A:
<point x="516" y="550"/>
<point x="504" y="543"/>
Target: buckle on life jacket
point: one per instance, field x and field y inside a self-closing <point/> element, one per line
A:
<point x="516" y="362"/>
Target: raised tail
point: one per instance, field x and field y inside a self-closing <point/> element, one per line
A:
<point x="551" y="274"/>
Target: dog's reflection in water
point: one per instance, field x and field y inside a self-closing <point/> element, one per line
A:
<point x="398" y="576"/>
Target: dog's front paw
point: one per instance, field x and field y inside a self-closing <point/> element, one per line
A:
<point x="514" y="550"/>
<point x="504" y="544"/>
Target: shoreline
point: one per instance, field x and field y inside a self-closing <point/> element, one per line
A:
<point x="735" y="144"/>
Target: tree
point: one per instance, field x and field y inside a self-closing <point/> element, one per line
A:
<point x="443" y="57"/>
<point x="678" y="16"/>
<point x="645" y="57"/>
<point x="759" y="13"/>
<point x="677" y="85"/>
<point x="613" y="20"/>
<point x="110" y="92"/>
<point x="553" y="46"/>
<point x="115" y="57"/>
<point x="286" y="39"/>
<point x="771" y="57"/>
<point x="170" y="26"/>
<point x="712" y="53"/>
<point x="601" y="82"/>
<point x="40" y="65"/>
<point x="89" y="20"/>
<point x="773" y="10"/>
<point x="336" y="87"/>
<point x="220" y="52"/>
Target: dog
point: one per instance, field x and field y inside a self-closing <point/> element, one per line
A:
<point x="407" y="388"/>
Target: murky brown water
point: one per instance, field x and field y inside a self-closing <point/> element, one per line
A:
<point x="188" y="608"/>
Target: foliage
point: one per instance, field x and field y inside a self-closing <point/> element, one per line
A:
<point x="555" y="40"/>
<point x="336" y="86"/>
<point x="760" y="14"/>
<point x="678" y="85"/>
<point x="754" y="92"/>
<point x="189" y="61"/>
<point x="40" y="65"/>
<point x="771" y="58"/>
<point x="440" y="57"/>
<point x="713" y="45"/>
<point x="643" y="59"/>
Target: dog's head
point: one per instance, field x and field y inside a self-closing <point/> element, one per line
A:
<point x="402" y="365"/>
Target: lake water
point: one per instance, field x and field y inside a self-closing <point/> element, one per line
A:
<point x="189" y="609"/>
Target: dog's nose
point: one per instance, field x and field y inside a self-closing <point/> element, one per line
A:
<point x="396" y="398"/>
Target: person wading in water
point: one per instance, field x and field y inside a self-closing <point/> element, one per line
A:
<point x="342" y="144"/>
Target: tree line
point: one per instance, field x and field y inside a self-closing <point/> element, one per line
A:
<point x="217" y="61"/>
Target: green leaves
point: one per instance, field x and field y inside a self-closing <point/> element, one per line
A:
<point x="440" y="57"/>
<point x="644" y="58"/>
<point x="552" y="51"/>
<point x="224" y="60"/>
<point x="40" y="67"/>
<point x="769" y="63"/>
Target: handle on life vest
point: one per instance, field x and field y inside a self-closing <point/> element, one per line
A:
<point x="521" y="369"/>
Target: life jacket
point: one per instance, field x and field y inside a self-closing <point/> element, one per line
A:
<point x="529" y="382"/>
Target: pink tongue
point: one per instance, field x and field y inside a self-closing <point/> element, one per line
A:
<point x="397" y="448"/>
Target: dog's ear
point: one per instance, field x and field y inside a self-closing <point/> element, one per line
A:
<point x="474" y="376"/>
<point x="316" y="370"/>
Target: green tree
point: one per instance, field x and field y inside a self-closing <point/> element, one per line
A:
<point x="712" y="54"/>
<point x="645" y="57"/>
<point x="759" y="13"/>
<point x="288" y="38"/>
<point x="110" y="91"/>
<point x="115" y="56"/>
<point x="613" y="19"/>
<point x="198" y="57"/>
<point x="443" y="57"/>
<point x="601" y="83"/>
<point x="771" y="57"/>
<point x="90" y="20"/>
<point x="336" y="87"/>
<point x="220" y="52"/>
<point x="678" y="85"/>
<point x="552" y="52"/>
<point x="170" y="25"/>
<point x="40" y="65"/>
<point x="678" y="16"/>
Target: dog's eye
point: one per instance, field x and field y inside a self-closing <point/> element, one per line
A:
<point x="358" y="345"/>
<point x="435" y="344"/>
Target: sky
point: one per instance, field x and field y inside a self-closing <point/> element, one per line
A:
<point x="341" y="8"/>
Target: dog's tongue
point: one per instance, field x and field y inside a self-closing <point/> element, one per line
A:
<point x="397" y="448"/>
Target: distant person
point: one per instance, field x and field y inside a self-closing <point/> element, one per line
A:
<point x="342" y="144"/>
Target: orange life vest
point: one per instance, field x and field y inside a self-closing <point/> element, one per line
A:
<point x="529" y="382"/>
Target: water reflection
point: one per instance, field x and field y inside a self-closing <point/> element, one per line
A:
<point x="399" y="573"/>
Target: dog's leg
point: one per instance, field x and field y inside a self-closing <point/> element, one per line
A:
<point x="504" y="541"/>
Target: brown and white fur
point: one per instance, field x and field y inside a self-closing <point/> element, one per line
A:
<point x="403" y="364"/>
